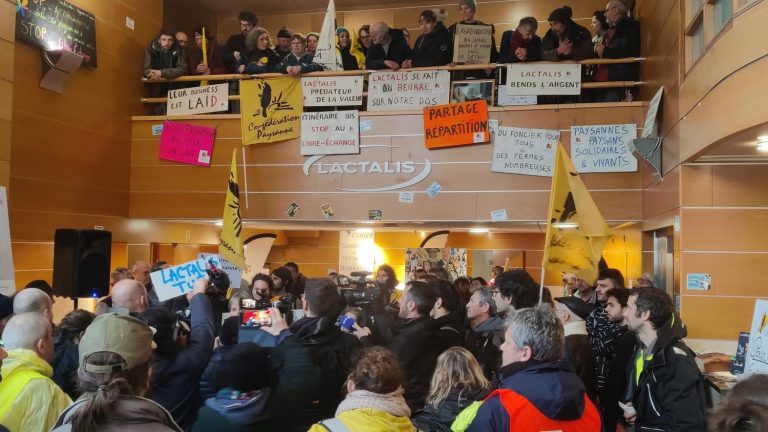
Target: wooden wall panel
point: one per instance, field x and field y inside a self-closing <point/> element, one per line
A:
<point x="717" y="317"/>
<point x="725" y="229"/>
<point x="663" y="196"/>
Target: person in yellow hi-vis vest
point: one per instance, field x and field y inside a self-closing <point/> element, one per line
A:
<point x="29" y="400"/>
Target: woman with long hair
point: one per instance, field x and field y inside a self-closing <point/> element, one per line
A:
<point x="261" y="56"/>
<point x="115" y="360"/>
<point x="458" y="381"/>
<point x="744" y="408"/>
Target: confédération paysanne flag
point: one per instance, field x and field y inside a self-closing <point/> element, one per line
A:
<point x="576" y="231"/>
<point x="327" y="54"/>
<point x="231" y="241"/>
<point x="270" y="109"/>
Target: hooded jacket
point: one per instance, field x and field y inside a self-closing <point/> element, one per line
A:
<point x="552" y="388"/>
<point x="433" y="49"/>
<point x="223" y="414"/>
<point x="171" y="63"/>
<point x="669" y="392"/>
<point x="370" y="412"/>
<point x="440" y="418"/>
<point x="29" y="400"/>
<point x="129" y="413"/>
<point x="484" y="342"/>
<point x="450" y="330"/>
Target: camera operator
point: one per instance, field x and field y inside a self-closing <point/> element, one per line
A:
<point x="179" y="360"/>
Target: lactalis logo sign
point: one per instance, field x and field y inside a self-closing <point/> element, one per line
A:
<point x="314" y="166"/>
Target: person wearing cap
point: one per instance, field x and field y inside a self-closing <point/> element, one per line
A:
<point x="115" y="365"/>
<point x="572" y="313"/>
<point x="29" y="399"/>
<point x="565" y="40"/>
<point x="283" y="47"/>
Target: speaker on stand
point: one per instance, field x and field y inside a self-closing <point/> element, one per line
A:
<point x="81" y="263"/>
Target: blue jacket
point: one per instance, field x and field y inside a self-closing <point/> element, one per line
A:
<point x="552" y="387"/>
<point x="305" y="61"/>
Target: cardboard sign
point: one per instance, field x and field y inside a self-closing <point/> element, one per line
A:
<point x="179" y="280"/>
<point x="472" y="44"/>
<point x="757" y="350"/>
<point x="332" y="91"/>
<point x="270" y="110"/>
<point x="234" y="273"/>
<point x="529" y="79"/>
<point x="406" y="90"/>
<point x="356" y="251"/>
<point x="603" y="148"/>
<point x="330" y="132"/>
<point x="456" y="124"/>
<point x="186" y="143"/>
<point x="198" y="100"/>
<point x="7" y="277"/>
<point x="524" y="151"/>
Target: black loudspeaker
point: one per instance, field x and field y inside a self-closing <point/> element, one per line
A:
<point x="81" y="263"/>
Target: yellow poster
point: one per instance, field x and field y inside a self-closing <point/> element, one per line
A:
<point x="231" y="241"/>
<point x="270" y="109"/>
<point x="576" y="231"/>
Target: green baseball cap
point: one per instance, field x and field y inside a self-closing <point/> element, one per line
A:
<point x="120" y="334"/>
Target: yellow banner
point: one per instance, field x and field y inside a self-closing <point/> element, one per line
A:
<point x="270" y="109"/>
<point x="576" y="231"/>
<point x="231" y="241"/>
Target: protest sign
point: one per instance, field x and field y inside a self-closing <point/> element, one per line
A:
<point x="603" y="148"/>
<point x="456" y="124"/>
<point x="332" y="91"/>
<point x="404" y="90"/>
<point x="234" y="272"/>
<point x="330" y="132"/>
<point x="757" y="350"/>
<point x="472" y="44"/>
<point x="530" y="79"/>
<point x="7" y="278"/>
<point x="511" y="100"/>
<point x="179" y="280"/>
<point x="186" y="143"/>
<point x="524" y="151"/>
<point x="198" y="100"/>
<point x="270" y="110"/>
<point x="356" y="251"/>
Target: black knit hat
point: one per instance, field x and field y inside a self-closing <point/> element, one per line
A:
<point x="561" y="15"/>
<point x="285" y="32"/>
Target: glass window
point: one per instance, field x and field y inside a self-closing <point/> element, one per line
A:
<point x="697" y="41"/>
<point x="746" y="2"/>
<point x="695" y="6"/>
<point x="723" y="13"/>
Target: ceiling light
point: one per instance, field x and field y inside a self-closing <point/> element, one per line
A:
<point x="363" y="230"/>
<point x="478" y="230"/>
<point x="565" y="225"/>
<point x="762" y="147"/>
<point x="762" y="138"/>
<point x="219" y="223"/>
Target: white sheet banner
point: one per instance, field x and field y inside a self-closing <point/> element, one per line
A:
<point x="603" y="148"/>
<point x="357" y="251"/>
<point x="407" y="90"/>
<point x="524" y="79"/>
<point x="524" y="151"/>
<point x="198" y="100"/>
<point x="330" y="132"/>
<point x="332" y="91"/>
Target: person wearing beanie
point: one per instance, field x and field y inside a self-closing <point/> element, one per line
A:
<point x="467" y="10"/>
<point x="216" y="62"/>
<point x="283" y="47"/>
<point x="565" y="40"/>
<point x="572" y="313"/>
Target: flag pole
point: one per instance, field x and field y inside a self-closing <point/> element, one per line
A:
<point x="541" y="285"/>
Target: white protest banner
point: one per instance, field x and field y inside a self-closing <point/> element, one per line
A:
<point x="504" y="99"/>
<point x="603" y="148"/>
<point x="234" y="273"/>
<point x="330" y="132"/>
<point x="472" y="44"/>
<point x="198" y="100"/>
<point x="528" y="79"/>
<point x="332" y="91"/>
<point x="357" y="251"/>
<point x="179" y="280"/>
<point x="757" y="350"/>
<point x="653" y="111"/>
<point x="7" y="278"/>
<point x="524" y="151"/>
<point x="404" y="90"/>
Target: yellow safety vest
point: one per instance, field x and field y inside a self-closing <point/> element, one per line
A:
<point x="11" y="387"/>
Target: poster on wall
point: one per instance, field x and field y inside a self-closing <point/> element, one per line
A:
<point x="330" y="132"/>
<point x="452" y="260"/>
<point x="407" y="90"/>
<point x="198" y="100"/>
<point x="603" y="148"/>
<point x="270" y="110"/>
<point x="456" y="124"/>
<point x="187" y="143"/>
<point x="357" y="251"/>
<point x="524" y="151"/>
<point x="332" y="91"/>
<point x="7" y="278"/>
<point x="757" y="351"/>
<point x="532" y="79"/>
<point x="472" y="44"/>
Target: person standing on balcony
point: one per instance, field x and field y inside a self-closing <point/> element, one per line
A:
<point x="434" y="47"/>
<point x="565" y="39"/>
<point x="388" y="50"/>
<point x="622" y="40"/>
<point x="163" y="58"/>
<point x="521" y="44"/>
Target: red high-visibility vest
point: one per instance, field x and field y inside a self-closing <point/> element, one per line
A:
<point x="525" y="417"/>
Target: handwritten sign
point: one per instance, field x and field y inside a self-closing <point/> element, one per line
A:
<point x="179" y="280"/>
<point x="456" y="124"/>
<point x="653" y="111"/>
<point x="186" y="143"/>
<point x="509" y="100"/>
<point x="198" y="100"/>
<point x="332" y="91"/>
<point x="7" y="278"/>
<point x="529" y="79"/>
<point x="404" y="90"/>
<point x="234" y="273"/>
<point x="757" y="351"/>
<point x="356" y="251"/>
<point x="57" y="25"/>
<point x="472" y="44"/>
<point x="330" y="132"/>
<point x="524" y="151"/>
<point x="603" y="148"/>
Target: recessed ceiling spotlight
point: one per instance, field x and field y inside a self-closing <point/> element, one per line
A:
<point x="762" y="147"/>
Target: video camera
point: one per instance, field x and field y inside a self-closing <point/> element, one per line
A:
<point x="359" y="291"/>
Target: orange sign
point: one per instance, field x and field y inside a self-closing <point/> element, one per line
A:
<point x="456" y="124"/>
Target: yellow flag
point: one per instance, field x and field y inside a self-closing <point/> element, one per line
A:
<point x="231" y="241"/>
<point x="576" y="231"/>
<point x="270" y="109"/>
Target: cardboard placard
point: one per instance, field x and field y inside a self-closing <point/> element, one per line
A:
<point x="332" y="91"/>
<point x="186" y="143"/>
<point x="330" y="132"/>
<point x="356" y="251"/>
<point x="603" y="148"/>
<point x="456" y="124"/>
<point x="757" y="350"/>
<point x="198" y="100"/>
<point x="7" y="277"/>
<point x="524" y="151"/>
<point x="404" y="90"/>
<point x="472" y="44"/>
<point x="529" y="79"/>
<point x="234" y="273"/>
<point x="179" y="280"/>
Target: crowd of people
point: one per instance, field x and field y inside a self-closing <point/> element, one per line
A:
<point x="615" y="34"/>
<point x="440" y="356"/>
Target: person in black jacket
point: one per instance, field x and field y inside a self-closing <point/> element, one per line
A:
<point x="434" y="47"/>
<point x="446" y="318"/>
<point x="389" y="49"/>
<point x="667" y="388"/>
<point x="521" y="44"/>
<point x="234" y="49"/>
<point x="163" y="58"/>
<point x="572" y="312"/>
<point x="177" y="367"/>
<point x="65" y="360"/>
<point x="565" y="40"/>
<point x="260" y="56"/>
<point x="616" y="382"/>
<point x="296" y="63"/>
<point x="620" y="41"/>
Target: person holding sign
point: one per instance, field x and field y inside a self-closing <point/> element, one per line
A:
<point x="261" y="57"/>
<point x="388" y="50"/>
<point x="298" y="61"/>
<point x="467" y="10"/>
<point x="434" y="47"/>
<point x="522" y="44"/>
